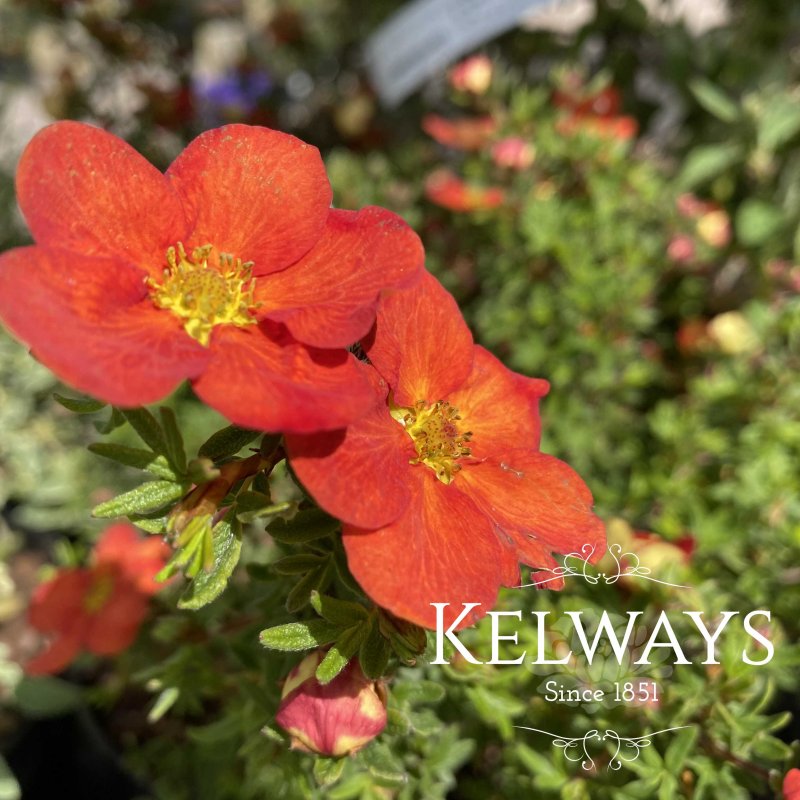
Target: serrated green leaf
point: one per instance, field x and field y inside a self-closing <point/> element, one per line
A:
<point x="176" y="451"/>
<point x="147" y="428"/>
<point x="208" y="585"/>
<point x="134" y="457"/>
<point x="227" y="442"/>
<point x="714" y="100"/>
<point x="305" y="526"/>
<point x="298" y="564"/>
<point x="296" y="636"/>
<point x="79" y="405"/>
<point x="373" y="655"/>
<point x="337" y="658"/>
<point x="340" y="612"/>
<point x="149" y="496"/>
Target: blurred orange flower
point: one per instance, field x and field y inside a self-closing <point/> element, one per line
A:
<point x="467" y="133"/>
<point x="98" y="608"/>
<point x="446" y="189"/>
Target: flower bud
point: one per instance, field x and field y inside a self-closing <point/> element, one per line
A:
<point x="513" y="152"/>
<point x="473" y="75"/>
<point x="335" y="719"/>
<point x="791" y="785"/>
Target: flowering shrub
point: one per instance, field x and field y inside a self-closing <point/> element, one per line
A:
<point x="330" y="451"/>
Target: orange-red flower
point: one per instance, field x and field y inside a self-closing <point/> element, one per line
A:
<point x="593" y="112"/>
<point x="230" y="270"/>
<point x="336" y="719"/>
<point x="448" y="190"/>
<point x="791" y="785"/>
<point x="98" y="608"/>
<point x="442" y="488"/>
<point x="467" y="133"/>
<point x="513" y="152"/>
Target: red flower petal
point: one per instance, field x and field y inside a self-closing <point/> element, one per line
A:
<point x="56" y="656"/>
<point x="254" y="192"/>
<point x="85" y="190"/>
<point x="138" y="558"/>
<point x="442" y="550"/>
<point x="791" y="785"/>
<point x="499" y="407"/>
<point x="329" y="297"/>
<point x="467" y="133"/>
<point x="84" y="319"/>
<point x="421" y="345"/>
<point x="336" y="719"/>
<point x="56" y="603"/>
<point x="539" y="502"/>
<point x="260" y="377"/>
<point x="359" y="474"/>
<point x="114" y="627"/>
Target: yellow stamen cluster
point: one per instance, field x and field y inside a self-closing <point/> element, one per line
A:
<point x="437" y="437"/>
<point x="204" y="296"/>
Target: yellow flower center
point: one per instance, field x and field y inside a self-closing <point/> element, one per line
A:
<point x="205" y="296"/>
<point x="99" y="593"/>
<point x="437" y="437"/>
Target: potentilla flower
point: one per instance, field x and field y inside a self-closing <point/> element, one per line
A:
<point x="452" y="490"/>
<point x="230" y="270"/>
<point x="446" y="189"/>
<point x="513" y="152"/>
<point x="621" y="129"/>
<point x="100" y="607"/>
<point x="467" y="133"/>
<point x="473" y="74"/>
<point x="336" y="719"/>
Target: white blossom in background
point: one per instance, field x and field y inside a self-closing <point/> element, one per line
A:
<point x="220" y="45"/>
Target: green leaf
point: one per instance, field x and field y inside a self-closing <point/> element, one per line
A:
<point x="207" y="586"/>
<point x="680" y="748"/>
<point x="714" y="100"/>
<point x="298" y="564"/>
<point x="337" y="658"/>
<point x="164" y="703"/>
<point x="9" y="788"/>
<point x="340" y="612"/>
<point x="252" y="505"/>
<point x="46" y="697"/>
<point x="757" y="221"/>
<point x="156" y="525"/>
<point x="147" y="428"/>
<point x="383" y="765"/>
<point x="114" y="421"/>
<point x="134" y="457"/>
<point x="176" y="452"/>
<point x="305" y="526"/>
<point x="296" y="636"/>
<point x="706" y="162"/>
<point x="328" y="770"/>
<point x="779" y="123"/>
<point x="149" y="496"/>
<point x="79" y="405"/>
<point x="300" y="594"/>
<point x="418" y="692"/>
<point x="227" y="442"/>
<point x="373" y="655"/>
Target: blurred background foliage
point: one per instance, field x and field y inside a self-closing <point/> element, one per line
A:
<point x="638" y="247"/>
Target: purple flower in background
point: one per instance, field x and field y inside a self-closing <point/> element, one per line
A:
<point x="234" y="95"/>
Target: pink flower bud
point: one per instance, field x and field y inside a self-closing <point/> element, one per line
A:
<point x="791" y="785"/>
<point x="513" y="153"/>
<point x="715" y="228"/>
<point x="336" y="719"/>
<point x="474" y="75"/>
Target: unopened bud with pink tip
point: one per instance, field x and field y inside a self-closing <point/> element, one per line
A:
<point x="334" y="719"/>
